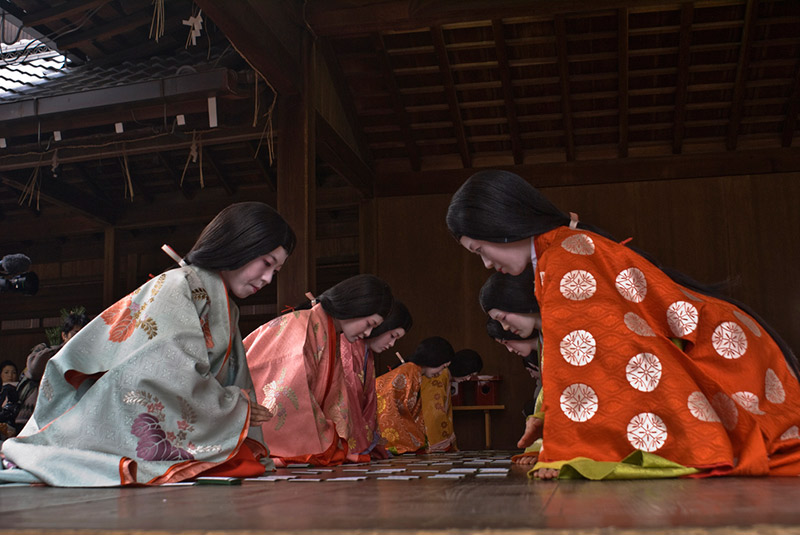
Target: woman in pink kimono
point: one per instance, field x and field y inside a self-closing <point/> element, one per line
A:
<point x="298" y="375"/>
<point x="358" y="361"/>
<point x="155" y="389"/>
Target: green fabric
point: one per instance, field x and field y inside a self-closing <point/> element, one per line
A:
<point x="637" y="465"/>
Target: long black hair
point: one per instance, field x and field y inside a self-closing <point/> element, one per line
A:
<point x="465" y="362"/>
<point x="510" y="293"/>
<point x="238" y="234"/>
<point x="432" y="352"/>
<point x="357" y="297"/>
<point x="501" y="207"/>
<point x="399" y="317"/>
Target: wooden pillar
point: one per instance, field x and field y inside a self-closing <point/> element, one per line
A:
<point x="109" y="251"/>
<point x="297" y="184"/>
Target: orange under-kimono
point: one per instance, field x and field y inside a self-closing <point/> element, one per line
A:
<point x="358" y="365"/>
<point x="297" y="374"/>
<point x="400" y="409"/>
<point x="633" y="362"/>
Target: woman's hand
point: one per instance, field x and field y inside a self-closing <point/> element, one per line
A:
<point x="533" y="430"/>
<point x="258" y="413"/>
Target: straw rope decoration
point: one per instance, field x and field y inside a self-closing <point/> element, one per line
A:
<point x="127" y="172"/>
<point x="33" y="185"/>
<point x="157" y="24"/>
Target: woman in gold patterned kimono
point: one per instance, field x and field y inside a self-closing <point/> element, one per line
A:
<point x="399" y="402"/>
<point x="437" y="405"/>
<point x="155" y="389"/>
<point x="298" y="375"/>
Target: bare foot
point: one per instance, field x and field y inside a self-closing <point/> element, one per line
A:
<point x="545" y="473"/>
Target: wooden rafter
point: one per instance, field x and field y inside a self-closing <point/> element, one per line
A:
<point x="62" y="11"/>
<point x="681" y="89"/>
<point x="792" y="109"/>
<point x="186" y="189"/>
<point x="269" y="178"/>
<point x="450" y="92"/>
<point x="563" y="70"/>
<point x="397" y="104"/>
<point x="737" y="103"/>
<point x="209" y="158"/>
<point x="622" y="50"/>
<point x="508" y="91"/>
<point x="90" y="180"/>
<point x="107" y="30"/>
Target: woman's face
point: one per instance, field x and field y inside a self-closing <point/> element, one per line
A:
<point x="518" y="323"/>
<point x="70" y="334"/>
<point x="386" y="340"/>
<point x="9" y="374"/>
<point x="511" y="258"/>
<point x="523" y="348"/>
<point x="358" y="328"/>
<point x="430" y="372"/>
<point x="254" y="275"/>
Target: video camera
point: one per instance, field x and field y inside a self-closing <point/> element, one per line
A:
<point x="15" y="277"/>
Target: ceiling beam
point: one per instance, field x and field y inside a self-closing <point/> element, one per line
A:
<point x="501" y="50"/>
<point x="737" y="102"/>
<point x="394" y="92"/>
<point x="212" y="162"/>
<point x="563" y="72"/>
<point x="186" y="189"/>
<point x="59" y="193"/>
<point x="623" y="47"/>
<point x="682" y="89"/>
<point x="334" y="151"/>
<point x="452" y="96"/>
<point x="105" y="31"/>
<point x="593" y="172"/>
<point x="264" y="35"/>
<point x="269" y="178"/>
<point x="62" y="11"/>
<point x="146" y="145"/>
<point x="345" y="17"/>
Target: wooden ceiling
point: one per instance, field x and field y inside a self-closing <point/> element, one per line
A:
<point x="431" y="90"/>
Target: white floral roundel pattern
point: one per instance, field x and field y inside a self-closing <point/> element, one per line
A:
<point x="773" y="388"/>
<point x="579" y="244"/>
<point x="647" y="432"/>
<point x="791" y="433"/>
<point x="643" y="372"/>
<point x="579" y="402"/>
<point x="729" y="340"/>
<point x="578" y="347"/>
<point x="578" y="285"/>
<point x="701" y="408"/>
<point x="726" y="409"/>
<point x="682" y="318"/>
<point x="747" y="322"/>
<point x="638" y="325"/>
<point x="632" y="284"/>
<point x="748" y="401"/>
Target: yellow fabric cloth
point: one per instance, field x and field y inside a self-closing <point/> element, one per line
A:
<point x="437" y="412"/>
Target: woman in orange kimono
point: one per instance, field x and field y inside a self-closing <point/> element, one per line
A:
<point x="437" y="405"/>
<point x="358" y="362"/>
<point x="298" y="374"/>
<point x="645" y="372"/>
<point x="399" y="401"/>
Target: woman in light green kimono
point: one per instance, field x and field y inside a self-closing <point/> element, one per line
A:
<point x="156" y="388"/>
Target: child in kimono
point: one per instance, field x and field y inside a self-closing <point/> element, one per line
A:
<point x="645" y="372"/>
<point x="155" y="389"/>
<point x="298" y="374"/>
<point x="358" y="362"/>
<point x="399" y="401"/>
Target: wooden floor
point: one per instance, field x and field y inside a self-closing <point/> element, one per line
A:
<point x="485" y="499"/>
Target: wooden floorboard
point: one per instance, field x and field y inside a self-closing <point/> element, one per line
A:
<point x="488" y="505"/>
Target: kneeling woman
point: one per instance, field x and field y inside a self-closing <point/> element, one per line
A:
<point x="358" y="361"/>
<point x="152" y="390"/>
<point x="399" y="401"/>
<point x="298" y="375"/>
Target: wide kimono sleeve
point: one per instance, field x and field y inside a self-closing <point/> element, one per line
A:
<point x="437" y="411"/>
<point x="638" y="369"/>
<point x="150" y="391"/>
<point x="400" y="408"/>
<point x="358" y="365"/>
